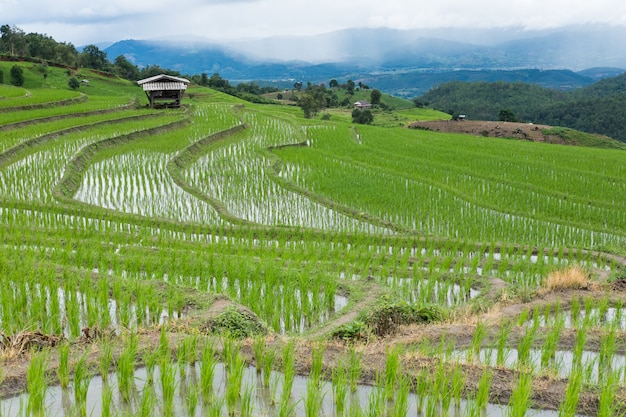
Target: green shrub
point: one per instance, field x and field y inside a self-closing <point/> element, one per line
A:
<point x="356" y="330"/>
<point x="17" y="76"/>
<point x="385" y="318"/>
<point x="73" y="83"/>
<point x="238" y="324"/>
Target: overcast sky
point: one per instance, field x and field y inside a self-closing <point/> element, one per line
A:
<point x="87" y="21"/>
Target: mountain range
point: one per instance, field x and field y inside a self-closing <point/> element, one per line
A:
<point x="401" y="62"/>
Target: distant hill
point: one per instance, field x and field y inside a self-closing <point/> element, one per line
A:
<point x="402" y="62"/>
<point x="597" y="108"/>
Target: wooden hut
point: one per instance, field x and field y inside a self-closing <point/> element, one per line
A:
<point x="164" y="90"/>
<point x="362" y="105"/>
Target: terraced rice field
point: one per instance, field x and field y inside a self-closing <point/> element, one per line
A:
<point x="235" y="259"/>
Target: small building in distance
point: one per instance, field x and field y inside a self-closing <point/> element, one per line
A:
<point x="164" y="90"/>
<point x="362" y="105"/>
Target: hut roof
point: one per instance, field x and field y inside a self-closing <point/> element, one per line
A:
<point x="163" y="82"/>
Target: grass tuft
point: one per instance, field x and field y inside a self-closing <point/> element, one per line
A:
<point x="571" y="278"/>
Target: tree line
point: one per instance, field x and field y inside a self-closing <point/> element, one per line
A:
<point x="597" y="108"/>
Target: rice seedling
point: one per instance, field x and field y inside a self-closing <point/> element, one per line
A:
<point x="317" y="363"/>
<point x="37" y="384"/>
<point x="376" y="400"/>
<point x="126" y="371"/>
<point x="259" y="352"/>
<point x="392" y="369"/>
<point x="314" y="397"/>
<point x="63" y="370"/>
<point x="482" y="394"/>
<point x="520" y="401"/>
<point x="235" y="370"/>
<point x="579" y="349"/>
<point x="401" y="401"/>
<point x="146" y="404"/>
<point x="150" y="361"/>
<point x="269" y="358"/>
<point x="191" y="400"/>
<point x="207" y="371"/>
<point x="550" y="345"/>
<point x="572" y="393"/>
<point x="286" y="407"/>
<point x="289" y="374"/>
<point x="354" y="368"/>
<point x="164" y="343"/>
<point x="107" y="401"/>
<point x="479" y="335"/>
<point x="82" y="378"/>
<point x="503" y="334"/>
<point x="340" y="386"/>
<point x="607" y="405"/>
<point x="457" y="385"/>
<point x="168" y="384"/>
<point x="608" y="348"/>
<point x="524" y="346"/>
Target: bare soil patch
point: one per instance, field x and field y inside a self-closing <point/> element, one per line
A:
<point x="523" y="131"/>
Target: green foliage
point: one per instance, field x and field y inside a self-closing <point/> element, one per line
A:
<point x="93" y="57"/>
<point x="375" y="97"/>
<point x="506" y="115"/>
<point x="385" y="317"/>
<point x="574" y="137"/>
<point x="316" y="98"/>
<point x="125" y="69"/>
<point x="73" y="83"/>
<point x="17" y="76"/>
<point x="389" y="314"/>
<point x="364" y="117"/>
<point x="350" y="86"/>
<point x="237" y="323"/>
<point x="355" y="330"/>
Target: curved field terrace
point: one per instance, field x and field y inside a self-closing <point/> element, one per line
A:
<point x="229" y="258"/>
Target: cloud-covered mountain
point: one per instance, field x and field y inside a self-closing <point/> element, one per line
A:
<point x="386" y="54"/>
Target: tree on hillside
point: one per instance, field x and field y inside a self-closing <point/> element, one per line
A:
<point x="364" y="117"/>
<point x="507" y="115"/>
<point x="93" y="57"/>
<point x="333" y="83"/>
<point x="152" y="70"/>
<point x="126" y="69"/>
<point x="308" y="105"/>
<point x="350" y="86"/>
<point x="216" y="81"/>
<point x="73" y="83"/>
<point x="66" y="54"/>
<point x="316" y="98"/>
<point x="12" y="40"/>
<point x="419" y="103"/>
<point x="17" y="76"/>
<point x="41" y="46"/>
<point x="375" y="96"/>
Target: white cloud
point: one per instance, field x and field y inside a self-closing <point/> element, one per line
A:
<point x="88" y="21"/>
